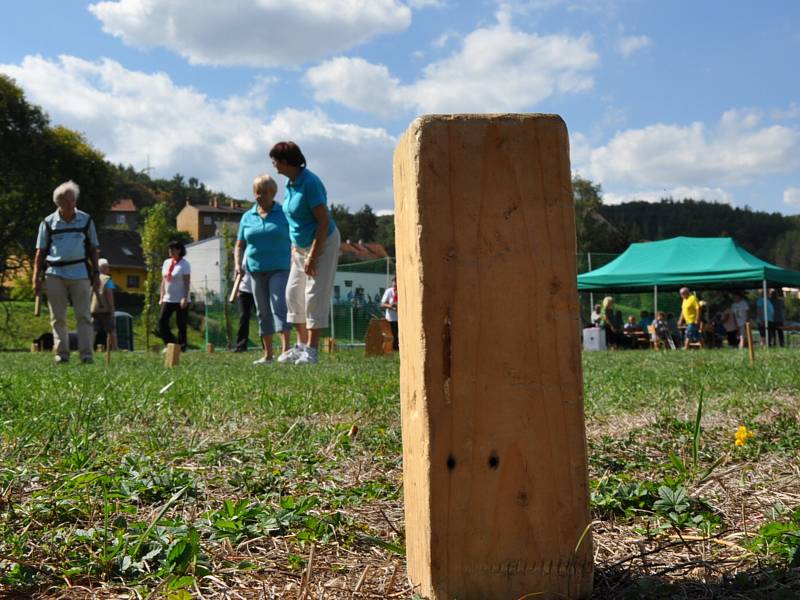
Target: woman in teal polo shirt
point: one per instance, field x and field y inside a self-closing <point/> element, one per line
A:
<point x="315" y="251"/>
<point x="263" y="242"/>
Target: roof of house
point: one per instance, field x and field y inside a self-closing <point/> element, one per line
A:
<point x="121" y="248"/>
<point x="215" y="208"/>
<point x="123" y="205"/>
<point x="363" y="250"/>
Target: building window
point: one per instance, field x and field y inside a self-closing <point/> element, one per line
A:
<point x="120" y="219"/>
<point x="348" y="283"/>
<point x="133" y="281"/>
<point x="207" y="220"/>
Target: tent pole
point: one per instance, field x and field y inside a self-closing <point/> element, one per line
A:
<point x="655" y="299"/>
<point x="766" y="323"/>
<point x="591" y="295"/>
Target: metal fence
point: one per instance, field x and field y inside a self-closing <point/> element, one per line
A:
<point x="358" y="288"/>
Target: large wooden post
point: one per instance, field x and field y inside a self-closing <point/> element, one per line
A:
<point x="495" y="473"/>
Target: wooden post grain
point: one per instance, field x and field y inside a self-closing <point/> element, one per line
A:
<point x="209" y="348"/>
<point x="749" y="335"/>
<point x="173" y="355"/>
<point x="494" y="451"/>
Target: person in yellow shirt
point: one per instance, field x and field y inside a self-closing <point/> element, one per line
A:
<point x="690" y="315"/>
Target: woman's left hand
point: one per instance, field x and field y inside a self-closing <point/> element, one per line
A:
<point x="310" y="266"/>
<point x="184" y="303"/>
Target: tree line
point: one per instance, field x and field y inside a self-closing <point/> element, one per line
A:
<point x="604" y="228"/>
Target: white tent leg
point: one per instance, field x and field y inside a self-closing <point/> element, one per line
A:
<point x="655" y="299"/>
<point x="766" y="323"/>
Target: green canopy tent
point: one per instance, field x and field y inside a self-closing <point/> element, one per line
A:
<point x="717" y="263"/>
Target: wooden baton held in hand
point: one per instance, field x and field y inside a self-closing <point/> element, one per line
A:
<point x="37" y="305"/>
<point x="235" y="290"/>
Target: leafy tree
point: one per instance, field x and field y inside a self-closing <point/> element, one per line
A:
<point x="156" y="235"/>
<point x="343" y="220"/>
<point x="34" y="159"/>
<point x="385" y="233"/>
<point x="593" y="231"/>
<point x="365" y="224"/>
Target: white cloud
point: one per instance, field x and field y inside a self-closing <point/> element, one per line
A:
<point x="129" y="115"/>
<point x="426" y="3"/>
<point x="496" y="69"/>
<point x="259" y="33"/>
<point x="631" y="44"/>
<point x="357" y="84"/>
<point x="660" y="156"/>
<point x="791" y="196"/>
<point x="678" y="193"/>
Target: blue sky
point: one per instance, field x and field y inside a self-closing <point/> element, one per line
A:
<point x="681" y="99"/>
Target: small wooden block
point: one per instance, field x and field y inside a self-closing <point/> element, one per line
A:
<point x="34" y="347"/>
<point x="99" y="348"/>
<point x="210" y="348"/>
<point x="388" y="336"/>
<point x="173" y="355"/>
<point x="330" y="345"/>
<point x="374" y="341"/>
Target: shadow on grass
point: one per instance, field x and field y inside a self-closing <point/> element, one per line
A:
<point x="695" y="580"/>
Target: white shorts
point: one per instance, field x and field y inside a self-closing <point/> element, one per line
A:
<point x="308" y="299"/>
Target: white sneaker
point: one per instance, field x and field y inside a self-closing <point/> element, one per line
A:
<point x="263" y="361"/>
<point x="308" y="357"/>
<point x="292" y="354"/>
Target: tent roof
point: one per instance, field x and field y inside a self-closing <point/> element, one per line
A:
<point x="717" y="263"/>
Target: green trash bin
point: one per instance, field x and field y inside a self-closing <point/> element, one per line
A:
<point x="124" y="322"/>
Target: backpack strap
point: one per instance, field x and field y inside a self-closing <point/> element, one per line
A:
<point x="86" y="245"/>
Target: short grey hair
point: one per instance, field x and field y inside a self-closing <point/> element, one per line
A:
<point x="265" y="183"/>
<point x="67" y="186"/>
<point x="103" y="262"/>
<point x="683" y="290"/>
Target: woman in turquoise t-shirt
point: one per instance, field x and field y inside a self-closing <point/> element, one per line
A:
<point x="315" y="251"/>
<point x="263" y="242"/>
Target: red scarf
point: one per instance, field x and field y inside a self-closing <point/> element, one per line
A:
<point x="172" y="263"/>
<point x="394" y="290"/>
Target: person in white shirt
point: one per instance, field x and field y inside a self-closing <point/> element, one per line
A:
<point x="389" y="302"/>
<point x="174" y="297"/>
<point x="740" y="310"/>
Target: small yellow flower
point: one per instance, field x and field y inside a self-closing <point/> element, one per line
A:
<point x="742" y="435"/>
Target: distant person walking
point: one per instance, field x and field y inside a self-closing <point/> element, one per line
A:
<point x="244" y="297"/>
<point x="741" y="312"/>
<point x="389" y="303"/>
<point x="766" y="331"/>
<point x="779" y="309"/>
<point x="174" y="296"/>
<point x="67" y="244"/>
<point x="315" y="252"/>
<point x="263" y="246"/>
<point x="105" y="329"/>
<point x="690" y="316"/>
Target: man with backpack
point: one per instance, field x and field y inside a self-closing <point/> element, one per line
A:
<point x="67" y="253"/>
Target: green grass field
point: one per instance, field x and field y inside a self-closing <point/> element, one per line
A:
<point x="217" y="477"/>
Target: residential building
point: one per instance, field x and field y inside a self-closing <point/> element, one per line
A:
<point x="203" y="221"/>
<point x="122" y="214"/>
<point x="123" y="251"/>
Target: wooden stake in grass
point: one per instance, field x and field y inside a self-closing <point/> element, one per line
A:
<point x="172" y="356"/>
<point x="494" y="451"/>
<point x="749" y="335"/>
<point x="210" y="348"/>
